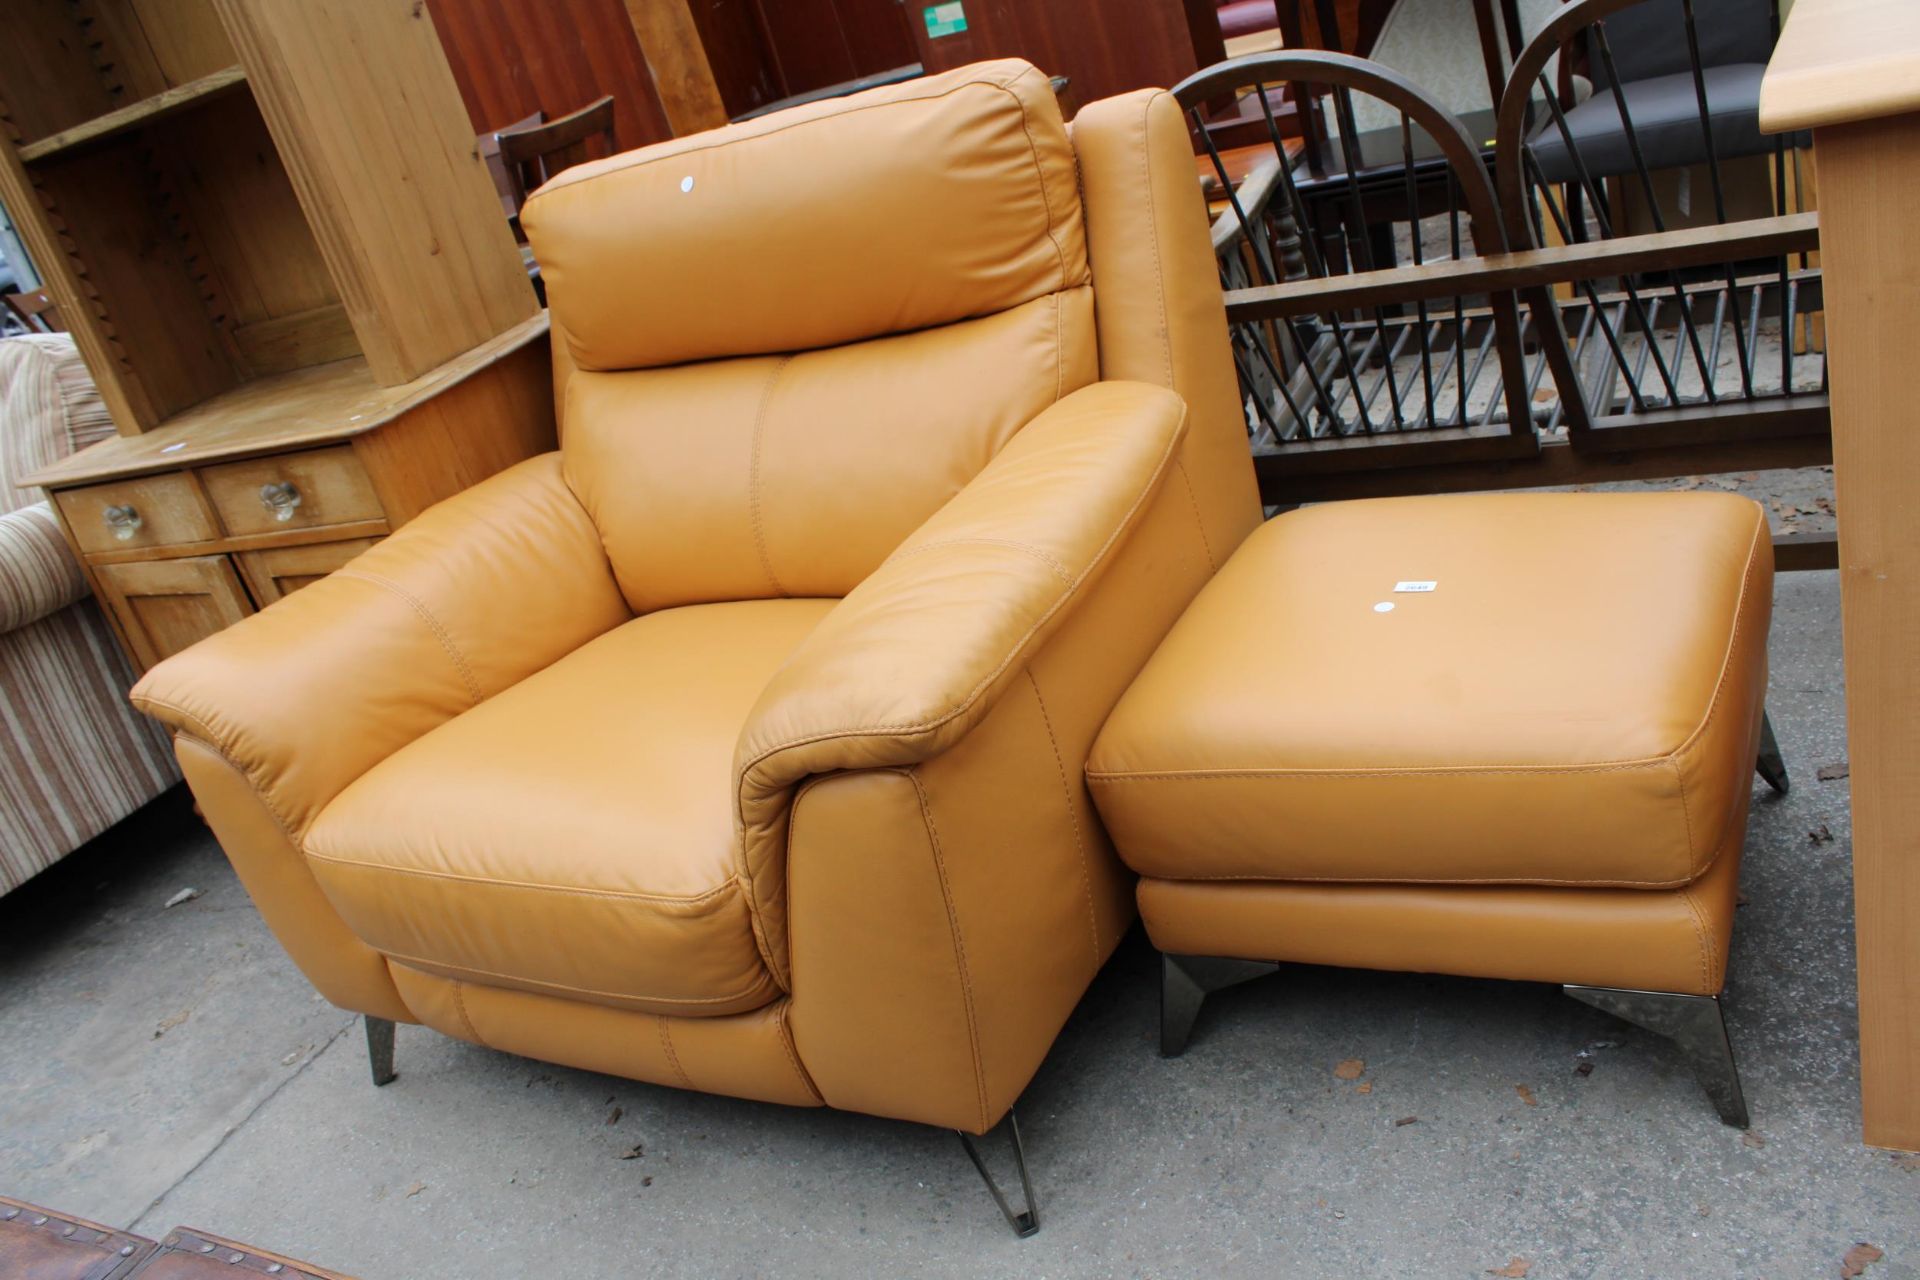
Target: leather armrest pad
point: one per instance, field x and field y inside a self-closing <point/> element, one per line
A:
<point x="916" y="654"/>
<point x="479" y="592"/>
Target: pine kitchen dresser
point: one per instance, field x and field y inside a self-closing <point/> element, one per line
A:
<point x="271" y="234"/>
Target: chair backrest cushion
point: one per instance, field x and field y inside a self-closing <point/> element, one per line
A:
<point x="795" y="339"/>
<point x="49" y="408"/>
<point x="900" y="208"/>
<point x="1650" y="39"/>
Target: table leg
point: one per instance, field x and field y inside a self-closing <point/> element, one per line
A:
<point x="1870" y="186"/>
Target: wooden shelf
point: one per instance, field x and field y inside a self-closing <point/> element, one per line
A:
<point x="132" y="116"/>
<point x="302" y="408"/>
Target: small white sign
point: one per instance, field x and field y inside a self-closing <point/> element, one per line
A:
<point x="1415" y="586"/>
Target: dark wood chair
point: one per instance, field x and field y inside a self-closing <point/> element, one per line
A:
<point x="497" y="168"/>
<point x="1527" y="344"/>
<point x="1344" y="369"/>
<point x="35" y="310"/>
<point x="1679" y="283"/>
<point x="536" y="153"/>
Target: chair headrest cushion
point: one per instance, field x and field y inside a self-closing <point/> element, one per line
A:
<point x="900" y="208"/>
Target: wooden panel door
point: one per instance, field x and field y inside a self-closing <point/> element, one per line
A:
<point x="284" y="570"/>
<point x="163" y="606"/>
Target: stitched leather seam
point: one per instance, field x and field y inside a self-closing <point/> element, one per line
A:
<point x="959" y="944"/>
<point x="259" y="792"/>
<point x="207" y="736"/>
<point x="986" y="682"/>
<point x="1059" y="351"/>
<point x="1442" y="770"/>
<point x="1515" y="881"/>
<point x="433" y="624"/>
<point x="664" y="899"/>
<point x="1700" y="934"/>
<point x="782" y="974"/>
<point x="429" y="966"/>
<point x="786" y="1044"/>
<point x="1045" y="557"/>
<point x="1199" y="521"/>
<point x="1686" y="815"/>
<point x="673" y="1059"/>
<point x="466" y="1019"/>
<point x="1073" y="817"/>
<point x="638" y="162"/>
<point x="1039" y="173"/>
<point x="1733" y="641"/>
<point x="1153" y="238"/>
<point x="793" y="838"/>
<point x="753" y="476"/>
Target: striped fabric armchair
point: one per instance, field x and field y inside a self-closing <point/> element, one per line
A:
<point x="75" y="758"/>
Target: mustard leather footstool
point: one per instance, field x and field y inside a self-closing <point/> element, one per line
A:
<point x="1502" y="736"/>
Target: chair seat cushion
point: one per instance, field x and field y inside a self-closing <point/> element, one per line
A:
<point x="574" y="835"/>
<point x="1575" y="701"/>
<point x="1665" y="111"/>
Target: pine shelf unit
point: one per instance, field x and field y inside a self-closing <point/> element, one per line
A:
<point x="269" y="230"/>
<point x="164" y="103"/>
<point x="219" y="192"/>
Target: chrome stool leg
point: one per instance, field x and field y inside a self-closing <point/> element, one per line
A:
<point x="1185" y="983"/>
<point x="379" y="1048"/>
<point x="1771" y="768"/>
<point x="1697" y="1024"/>
<point x="1024" y="1222"/>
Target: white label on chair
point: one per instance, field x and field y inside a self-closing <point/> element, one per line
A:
<point x="1385" y="606"/>
<point x="1415" y="586"/>
<point x="686" y="183"/>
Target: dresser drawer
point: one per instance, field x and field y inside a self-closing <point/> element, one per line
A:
<point x="152" y="511"/>
<point x="311" y="490"/>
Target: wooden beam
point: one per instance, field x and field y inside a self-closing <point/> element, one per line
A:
<point x="1793" y="552"/>
<point x="682" y="75"/>
<point x="1499" y="272"/>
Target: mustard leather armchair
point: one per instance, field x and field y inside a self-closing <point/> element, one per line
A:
<point x="738" y="745"/>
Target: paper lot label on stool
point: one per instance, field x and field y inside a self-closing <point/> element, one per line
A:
<point x="1415" y="586"/>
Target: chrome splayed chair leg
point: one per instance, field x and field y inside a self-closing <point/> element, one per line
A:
<point x="379" y="1048"/>
<point x="1771" y="768"/>
<point x="1185" y="983"/>
<point x="1024" y="1222"/>
<point x="1695" y="1023"/>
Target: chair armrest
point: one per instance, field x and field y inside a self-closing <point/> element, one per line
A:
<point x="479" y="592"/>
<point x="38" y="574"/>
<point x="916" y="655"/>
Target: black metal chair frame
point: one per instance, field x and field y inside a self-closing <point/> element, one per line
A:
<point x="1624" y="398"/>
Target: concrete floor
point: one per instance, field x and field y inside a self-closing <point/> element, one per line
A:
<point x="166" y="1066"/>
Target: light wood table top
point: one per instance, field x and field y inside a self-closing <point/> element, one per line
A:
<point x="1843" y="60"/>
